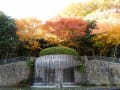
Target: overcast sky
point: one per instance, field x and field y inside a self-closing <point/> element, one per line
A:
<point x="42" y="9"/>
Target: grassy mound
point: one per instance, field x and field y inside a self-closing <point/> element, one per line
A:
<point x="58" y="50"/>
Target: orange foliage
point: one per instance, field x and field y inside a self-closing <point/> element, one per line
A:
<point x="110" y="35"/>
<point x="109" y="29"/>
<point x="29" y="30"/>
<point x="67" y="28"/>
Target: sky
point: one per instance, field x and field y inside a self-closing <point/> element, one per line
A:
<point x="43" y="9"/>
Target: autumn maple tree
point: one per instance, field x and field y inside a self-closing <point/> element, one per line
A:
<point x="107" y="32"/>
<point x="29" y="31"/>
<point x="67" y="28"/>
<point x="33" y="33"/>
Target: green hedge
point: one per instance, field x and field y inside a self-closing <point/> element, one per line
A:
<point x="58" y="50"/>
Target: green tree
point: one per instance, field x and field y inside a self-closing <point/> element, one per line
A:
<point x="8" y="38"/>
<point x="85" y="44"/>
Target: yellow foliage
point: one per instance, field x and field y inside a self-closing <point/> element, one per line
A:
<point x="29" y="30"/>
<point x="108" y="30"/>
<point x="78" y="9"/>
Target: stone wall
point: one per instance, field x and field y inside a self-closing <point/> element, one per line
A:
<point x="96" y="73"/>
<point x="13" y="73"/>
<point x="99" y="73"/>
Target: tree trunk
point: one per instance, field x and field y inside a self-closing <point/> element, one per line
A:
<point x="6" y="56"/>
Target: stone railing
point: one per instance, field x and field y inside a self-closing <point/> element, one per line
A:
<point x="101" y="58"/>
<point x="16" y="59"/>
<point x="23" y="58"/>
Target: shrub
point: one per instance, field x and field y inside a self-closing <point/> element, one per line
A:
<point x="58" y="50"/>
<point x="31" y="63"/>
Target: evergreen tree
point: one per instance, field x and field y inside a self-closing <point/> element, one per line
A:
<point x="8" y="38"/>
